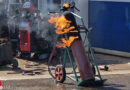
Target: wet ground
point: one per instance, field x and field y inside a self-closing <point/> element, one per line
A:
<point x="113" y="82"/>
<point x="33" y="75"/>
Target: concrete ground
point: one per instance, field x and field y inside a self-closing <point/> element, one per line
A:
<point x="114" y="82"/>
<point x="33" y="75"/>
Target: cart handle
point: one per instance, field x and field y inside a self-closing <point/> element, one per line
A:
<point x="83" y="28"/>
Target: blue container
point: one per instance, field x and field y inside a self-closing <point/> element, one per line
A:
<point x="110" y="20"/>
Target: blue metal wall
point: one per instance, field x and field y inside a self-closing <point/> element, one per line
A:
<point x="111" y="25"/>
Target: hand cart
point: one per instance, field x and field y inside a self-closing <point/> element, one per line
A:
<point x="57" y="64"/>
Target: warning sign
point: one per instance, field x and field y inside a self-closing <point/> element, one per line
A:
<point x="27" y="5"/>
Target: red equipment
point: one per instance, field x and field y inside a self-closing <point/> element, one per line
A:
<point x="25" y="28"/>
<point x="25" y="41"/>
<point x="28" y="6"/>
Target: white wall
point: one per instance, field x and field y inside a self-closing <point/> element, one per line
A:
<point x="42" y="6"/>
<point x="82" y="5"/>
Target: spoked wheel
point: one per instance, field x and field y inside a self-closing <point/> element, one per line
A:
<point x="60" y="74"/>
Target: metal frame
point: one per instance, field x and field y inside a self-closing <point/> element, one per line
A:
<point x="90" y="54"/>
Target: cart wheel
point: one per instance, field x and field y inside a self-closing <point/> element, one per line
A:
<point x="15" y="64"/>
<point x="60" y="74"/>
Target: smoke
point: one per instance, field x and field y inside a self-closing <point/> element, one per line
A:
<point x="3" y="15"/>
<point x="3" y="20"/>
<point x="40" y="26"/>
<point x="52" y="7"/>
<point x="47" y="30"/>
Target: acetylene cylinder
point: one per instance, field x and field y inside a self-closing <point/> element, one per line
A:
<point x="78" y="50"/>
<point x="81" y="59"/>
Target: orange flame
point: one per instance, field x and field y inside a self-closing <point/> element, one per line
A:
<point x="62" y="26"/>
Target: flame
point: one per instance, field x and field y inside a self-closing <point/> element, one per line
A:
<point x="62" y="26"/>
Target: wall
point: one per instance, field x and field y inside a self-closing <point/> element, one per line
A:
<point x="111" y="24"/>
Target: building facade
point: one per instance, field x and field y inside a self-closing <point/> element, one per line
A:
<point x="110" y="20"/>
